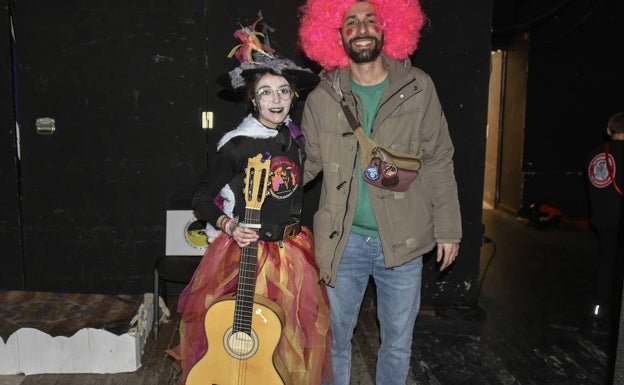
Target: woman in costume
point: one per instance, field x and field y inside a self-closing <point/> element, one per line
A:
<point x="286" y="271"/>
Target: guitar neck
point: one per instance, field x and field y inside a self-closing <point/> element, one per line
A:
<point x="246" y="290"/>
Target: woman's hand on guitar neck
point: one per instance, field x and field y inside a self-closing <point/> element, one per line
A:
<point x="243" y="236"/>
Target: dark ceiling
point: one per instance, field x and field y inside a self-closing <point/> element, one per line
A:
<point x="548" y="21"/>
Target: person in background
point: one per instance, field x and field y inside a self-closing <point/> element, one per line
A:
<point x="605" y="173"/>
<point x="361" y="230"/>
<point x="286" y="271"/>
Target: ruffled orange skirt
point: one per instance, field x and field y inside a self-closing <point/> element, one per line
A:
<point x="286" y="275"/>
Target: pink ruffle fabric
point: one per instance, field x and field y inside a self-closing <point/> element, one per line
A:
<point x="289" y="277"/>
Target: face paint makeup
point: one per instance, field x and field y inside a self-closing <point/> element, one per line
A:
<point x="362" y="37"/>
<point x="273" y="108"/>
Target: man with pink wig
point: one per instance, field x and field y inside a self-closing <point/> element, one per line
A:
<point x="362" y="231"/>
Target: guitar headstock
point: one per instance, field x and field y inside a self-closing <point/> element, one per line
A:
<point x="257" y="176"/>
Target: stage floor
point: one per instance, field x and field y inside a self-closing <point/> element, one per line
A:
<point x="532" y="326"/>
<point x="63" y="314"/>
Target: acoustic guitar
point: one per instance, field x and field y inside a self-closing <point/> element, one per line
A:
<point x="243" y="328"/>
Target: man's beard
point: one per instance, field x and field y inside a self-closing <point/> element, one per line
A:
<point x="367" y="55"/>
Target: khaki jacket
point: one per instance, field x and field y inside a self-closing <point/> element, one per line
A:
<point x="410" y="119"/>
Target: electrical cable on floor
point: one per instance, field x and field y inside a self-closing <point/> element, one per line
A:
<point x="487" y="266"/>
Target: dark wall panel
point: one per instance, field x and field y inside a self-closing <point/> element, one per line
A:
<point x="10" y="253"/>
<point x="124" y="82"/>
<point x="455" y="51"/>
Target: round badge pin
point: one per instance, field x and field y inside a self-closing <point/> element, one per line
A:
<point x="371" y="173"/>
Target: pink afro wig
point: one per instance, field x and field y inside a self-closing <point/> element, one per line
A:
<point x="321" y="20"/>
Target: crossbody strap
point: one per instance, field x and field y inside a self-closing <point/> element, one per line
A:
<point x="296" y="206"/>
<point x="610" y="170"/>
<point x="367" y="145"/>
<point x="353" y="122"/>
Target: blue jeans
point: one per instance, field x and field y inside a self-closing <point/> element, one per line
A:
<point x="398" y="301"/>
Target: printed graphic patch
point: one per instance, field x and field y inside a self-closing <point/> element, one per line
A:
<point x="285" y="178"/>
<point x="598" y="171"/>
<point x="195" y="234"/>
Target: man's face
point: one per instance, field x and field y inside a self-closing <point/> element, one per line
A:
<point x="361" y="34"/>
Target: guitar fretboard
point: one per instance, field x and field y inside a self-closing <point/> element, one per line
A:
<point x="243" y="310"/>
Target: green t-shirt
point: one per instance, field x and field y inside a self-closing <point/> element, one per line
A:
<point x="364" y="221"/>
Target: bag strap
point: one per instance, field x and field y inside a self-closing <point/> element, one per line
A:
<point x="369" y="146"/>
<point x="366" y="144"/>
<point x="610" y="170"/>
<point x="353" y="122"/>
<point x="296" y="206"/>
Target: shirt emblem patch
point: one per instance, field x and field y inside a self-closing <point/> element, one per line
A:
<point x="599" y="172"/>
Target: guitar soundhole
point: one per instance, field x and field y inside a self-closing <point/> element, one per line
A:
<point x="240" y="345"/>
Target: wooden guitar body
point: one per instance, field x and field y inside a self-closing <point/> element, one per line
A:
<point x="234" y="358"/>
